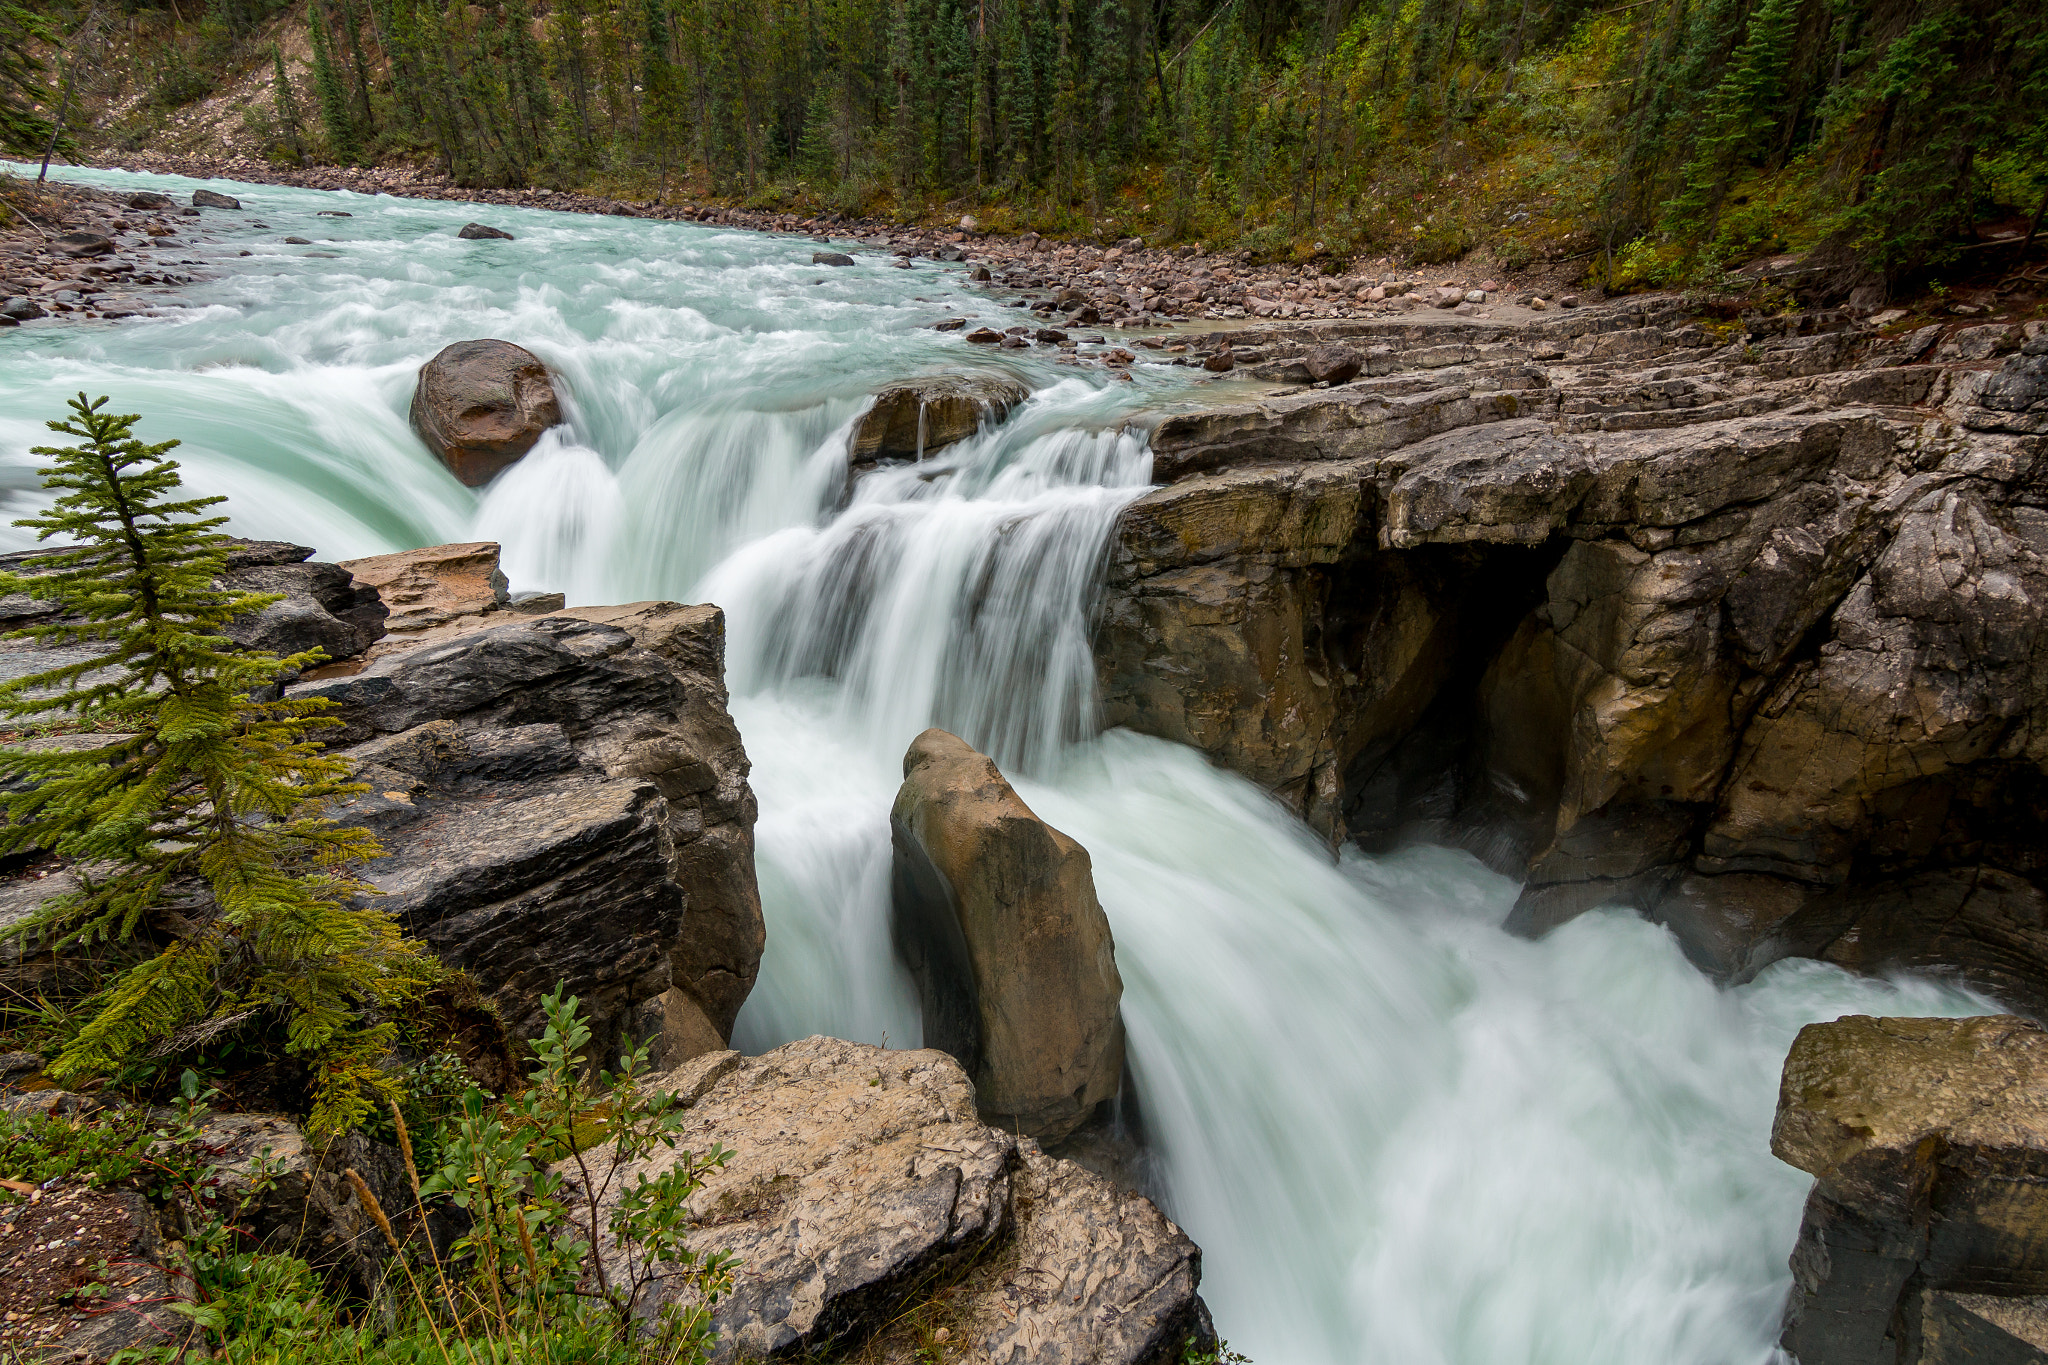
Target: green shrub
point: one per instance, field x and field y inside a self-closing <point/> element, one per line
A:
<point x="204" y="792"/>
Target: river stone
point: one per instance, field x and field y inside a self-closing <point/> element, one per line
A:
<point x="559" y="803"/>
<point x="830" y="258"/>
<point x="984" y="336"/>
<point x="478" y="232"/>
<point x="83" y="244"/>
<point x="914" y="419"/>
<point x="151" y="199"/>
<point x="996" y="915"/>
<point x="480" y="405"/>
<point x="1332" y="364"/>
<point x="860" y="1176"/>
<point x="1929" y="1141"/>
<point x="211" y="199"/>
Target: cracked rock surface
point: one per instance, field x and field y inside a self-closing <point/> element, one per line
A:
<point x="1736" y="623"/>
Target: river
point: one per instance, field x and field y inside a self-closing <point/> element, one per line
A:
<point x="1400" y="1135"/>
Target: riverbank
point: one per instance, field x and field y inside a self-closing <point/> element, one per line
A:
<point x="1124" y="280"/>
<point x="76" y="249"/>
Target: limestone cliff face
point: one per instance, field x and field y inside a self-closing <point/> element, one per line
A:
<point x="1743" y="631"/>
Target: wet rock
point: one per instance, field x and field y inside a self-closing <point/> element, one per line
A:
<point x="212" y="199"/>
<point x="83" y="244"/>
<point x="479" y="232"/>
<point x="22" y="310"/>
<point x="995" y="912"/>
<point x="949" y="324"/>
<point x="860" y="1176"/>
<point x="985" y="336"/>
<point x="908" y="421"/>
<point x="830" y="258"/>
<point x="1013" y="343"/>
<point x="1219" y="361"/>
<point x="1929" y="1141"/>
<point x="298" y="241"/>
<point x="150" y="199"/>
<point x="480" y="405"/>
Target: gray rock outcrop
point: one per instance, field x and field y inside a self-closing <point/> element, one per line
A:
<point x="565" y="799"/>
<point x="909" y="421"/>
<point x="480" y="405"/>
<point x="1925" y="1239"/>
<point x="995" y="913"/>
<point x="1739" y="627"/>
<point x="860" y="1178"/>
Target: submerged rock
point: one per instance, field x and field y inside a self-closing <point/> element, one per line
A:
<point x="1925" y="1239"/>
<point x="480" y="405"/>
<point x="996" y="915"/>
<point x="910" y="420"/>
<point x="862" y="1180"/>
<point x="478" y="232"/>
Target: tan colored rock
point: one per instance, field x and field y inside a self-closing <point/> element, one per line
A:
<point x="995" y="912"/>
<point x="859" y="1174"/>
<point x="438" y="586"/>
<point x="912" y="420"/>
<point x="1929" y="1141"/>
<point x="480" y="405"/>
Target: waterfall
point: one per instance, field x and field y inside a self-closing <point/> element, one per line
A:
<point x="1399" y="1134"/>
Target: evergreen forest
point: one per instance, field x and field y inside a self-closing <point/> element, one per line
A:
<point x="1667" y="138"/>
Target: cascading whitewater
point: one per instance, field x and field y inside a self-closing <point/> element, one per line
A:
<point x="1400" y="1135"/>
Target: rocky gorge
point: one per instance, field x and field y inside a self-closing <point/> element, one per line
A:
<point x="1739" y="625"/>
<point x="1730" y="620"/>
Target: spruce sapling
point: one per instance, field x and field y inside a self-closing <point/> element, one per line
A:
<point x="201" y="780"/>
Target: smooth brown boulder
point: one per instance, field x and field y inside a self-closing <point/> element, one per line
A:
<point x="1333" y="364"/>
<point x="1927" y="1228"/>
<point x="995" y="913"/>
<point x="480" y="405"/>
<point x="911" y="420"/>
<point x="212" y="199"/>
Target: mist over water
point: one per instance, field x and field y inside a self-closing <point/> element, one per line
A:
<point x="1399" y="1134"/>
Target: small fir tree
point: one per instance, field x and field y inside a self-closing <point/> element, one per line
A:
<point x="200" y="781"/>
<point x="344" y="141"/>
<point x="287" y="107"/>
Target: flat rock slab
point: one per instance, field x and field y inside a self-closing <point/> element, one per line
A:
<point x="860" y="1175"/>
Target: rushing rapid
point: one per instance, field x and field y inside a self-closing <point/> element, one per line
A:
<point x="1399" y="1134"/>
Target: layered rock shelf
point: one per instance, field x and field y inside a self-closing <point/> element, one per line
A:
<point x="1738" y="623"/>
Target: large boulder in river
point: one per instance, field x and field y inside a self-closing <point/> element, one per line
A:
<point x="861" y="1180"/>
<point x="480" y="405"/>
<point x="909" y="421"/>
<point x="1925" y="1239"/>
<point x="996" y="915"/>
<point x="564" y="799"/>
